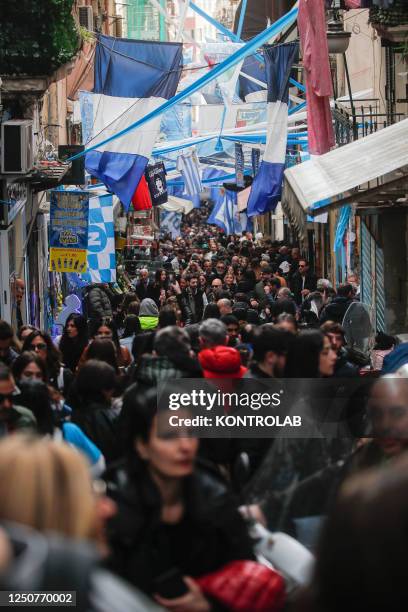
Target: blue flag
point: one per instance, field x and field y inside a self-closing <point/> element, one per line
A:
<point x="267" y="186"/>
<point x="132" y="79"/>
<point x="225" y="214"/>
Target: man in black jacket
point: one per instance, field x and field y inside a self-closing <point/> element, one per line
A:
<point x="336" y="309"/>
<point x="270" y="347"/>
<point x="343" y="368"/>
<point x="191" y="301"/>
<point x="99" y="303"/>
<point x="303" y="282"/>
<point x="143" y="285"/>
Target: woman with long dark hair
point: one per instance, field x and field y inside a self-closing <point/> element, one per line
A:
<point x="58" y="375"/>
<point x="247" y="282"/>
<point x="74" y="340"/>
<point x="94" y="388"/>
<point x="28" y="366"/>
<point x="105" y="329"/>
<point x="311" y="356"/>
<point x="158" y="291"/>
<point x="132" y="327"/>
<point x="103" y="350"/>
<point x="35" y="396"/>
<point x="171" y="514"/>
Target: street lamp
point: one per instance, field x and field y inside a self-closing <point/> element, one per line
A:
<point x="338" y="39"/>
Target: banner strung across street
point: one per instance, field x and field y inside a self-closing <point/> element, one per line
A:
<point x="68" y="231"/>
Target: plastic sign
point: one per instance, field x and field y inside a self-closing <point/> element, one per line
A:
<point x="69" y="231"/>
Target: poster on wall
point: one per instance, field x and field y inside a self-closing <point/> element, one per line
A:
<point x="68" y="231"/>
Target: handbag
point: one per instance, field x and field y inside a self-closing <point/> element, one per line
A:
<point x="245" y="585"/>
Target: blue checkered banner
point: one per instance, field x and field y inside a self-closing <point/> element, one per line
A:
<point x="101" y="241"/>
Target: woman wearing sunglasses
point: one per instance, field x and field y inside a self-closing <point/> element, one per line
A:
<point x="41" y="344"/>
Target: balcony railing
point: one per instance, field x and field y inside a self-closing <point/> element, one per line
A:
<point x="366" y="120"/>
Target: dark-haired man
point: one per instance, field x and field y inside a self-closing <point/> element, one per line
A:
<point x="12" y="417"/>
<point x="7" y="353"/>
<point x="233" y="329"/>
<point x="336" y="335"/>
<point x="303" y="282"/>
<point x="336" y="309"/>
<point x="270" y="346"/>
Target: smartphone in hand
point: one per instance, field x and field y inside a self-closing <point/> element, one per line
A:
<point x="170" y="584"/>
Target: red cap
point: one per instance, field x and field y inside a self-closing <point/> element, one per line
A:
<point x="221" y="362"/>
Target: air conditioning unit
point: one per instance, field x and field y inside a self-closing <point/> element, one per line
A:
<point x="17" y="146"/>
<point x="86" y="19"/>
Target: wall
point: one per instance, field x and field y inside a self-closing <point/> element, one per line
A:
<point x="365" y="57"/>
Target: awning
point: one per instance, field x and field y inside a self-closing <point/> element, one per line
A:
<point x="371" y="171"/>
<point x="179" y="205"/>
<point x="47" y="175"/>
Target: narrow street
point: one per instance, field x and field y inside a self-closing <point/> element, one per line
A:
<point x="204" y="305"/>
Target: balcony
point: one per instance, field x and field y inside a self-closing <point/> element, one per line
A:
<point x="367" y="119"/>
<point x="392" y="23"/>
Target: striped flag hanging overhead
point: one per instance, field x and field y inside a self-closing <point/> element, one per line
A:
<point x="132" y="79"/>
<point x="267" y="186"/>
<point x="226" y="215"/>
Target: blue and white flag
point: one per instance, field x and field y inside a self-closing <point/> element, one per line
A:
<point x="132" y="79"/>
<point x="189" y="167"/>
<point x="267" y="186"/>
<point x="101" y="241"/>
<point x="170" y="223"/>
<point x="225" y="214"/>
<point x="252" y="80"/>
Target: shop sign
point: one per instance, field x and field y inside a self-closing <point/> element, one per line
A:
<point x="69" y="231"/>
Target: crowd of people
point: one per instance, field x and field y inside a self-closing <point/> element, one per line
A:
<point x="167" y="519"/>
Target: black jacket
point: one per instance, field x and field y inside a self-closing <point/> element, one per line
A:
<point x="195" y="302"/>
<point x="336" y="310"/>
<point x="296" y="285"/>
<point x="99" y="422"/>
<point x="255" y="371"/>
<point x="211" y="533"/>
<point x="283" y="305"/>
<point x="67" y="379"/>
<point x="344" y="368"/>
<point x="145" y="290"/>
<point x="192" y="305"/>
<point x="99" y="304"/>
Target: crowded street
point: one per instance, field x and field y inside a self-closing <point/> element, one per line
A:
<point x="204" y="305"/>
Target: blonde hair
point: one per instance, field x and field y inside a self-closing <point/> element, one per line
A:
<point x="46" y="485"/>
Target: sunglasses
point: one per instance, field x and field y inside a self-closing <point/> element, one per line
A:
<point x="38" y="347"/>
